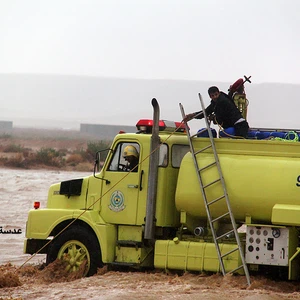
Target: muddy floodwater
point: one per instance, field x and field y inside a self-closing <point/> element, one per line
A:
<point x="32" y="280"/>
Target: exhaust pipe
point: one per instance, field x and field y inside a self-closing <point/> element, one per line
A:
<point x="153" y="174"/>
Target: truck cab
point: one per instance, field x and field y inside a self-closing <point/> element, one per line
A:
<point x="100" y="219"/>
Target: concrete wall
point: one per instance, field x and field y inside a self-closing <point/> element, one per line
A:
<point x="6" y="126"/>
<point x="105" y="132"/>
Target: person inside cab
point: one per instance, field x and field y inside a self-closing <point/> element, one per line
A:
<point x="131" y="155"/>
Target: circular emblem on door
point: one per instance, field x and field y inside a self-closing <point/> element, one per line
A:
<point x="116" y="201"/>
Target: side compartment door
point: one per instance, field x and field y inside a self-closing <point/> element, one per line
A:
<point x="119" y="202"/>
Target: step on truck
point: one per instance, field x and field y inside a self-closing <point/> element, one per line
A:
<point x="156" y="214"/>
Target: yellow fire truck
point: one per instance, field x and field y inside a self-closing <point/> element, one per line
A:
<point x="192" y="203"/>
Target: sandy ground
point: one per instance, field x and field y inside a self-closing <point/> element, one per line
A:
<point x="20" y="188"/>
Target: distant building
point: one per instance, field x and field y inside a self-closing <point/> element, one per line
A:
<point x="6" y="127"/>
<point x="105" y="132"/>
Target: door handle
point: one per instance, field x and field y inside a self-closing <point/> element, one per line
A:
<point x="141" y="180"/>
<point x="132" y="186"/>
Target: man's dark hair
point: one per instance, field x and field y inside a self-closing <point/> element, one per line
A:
<point x="212" y="90"/>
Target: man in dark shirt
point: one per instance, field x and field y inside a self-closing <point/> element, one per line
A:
<point x="225" y="112"/>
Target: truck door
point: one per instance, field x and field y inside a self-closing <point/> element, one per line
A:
<point x="119" y="202"/>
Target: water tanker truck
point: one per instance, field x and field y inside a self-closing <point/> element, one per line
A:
<point x="155" y="215"/>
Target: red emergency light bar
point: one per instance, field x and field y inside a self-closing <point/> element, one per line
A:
<point x="146" y="125"/>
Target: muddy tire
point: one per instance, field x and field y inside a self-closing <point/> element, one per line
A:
<point x="76" y="246"/>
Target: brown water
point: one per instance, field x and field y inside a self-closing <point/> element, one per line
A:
<point x="19" y="189"/>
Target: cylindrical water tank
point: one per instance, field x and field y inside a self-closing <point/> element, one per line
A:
<point x="257" y="174"/>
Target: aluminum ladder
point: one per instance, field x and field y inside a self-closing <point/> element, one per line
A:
<point x="223" y="197"/>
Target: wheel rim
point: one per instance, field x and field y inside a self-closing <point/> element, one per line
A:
<point x="74" y="253"/>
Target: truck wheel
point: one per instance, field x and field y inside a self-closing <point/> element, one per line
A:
<point x="76" y="246"/>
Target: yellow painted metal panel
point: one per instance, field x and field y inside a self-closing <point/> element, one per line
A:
<point x="166" y="213"/>
<point x="141" y="256"/>
<point x="42" y="221"/>
<point x="129" y="233"/>
<point x="57" y="201"/>
<point x="194" y="256"/>
<point x="286" y="214"/>
<point x="128" y="254"/>
<point x="107" y="236"/>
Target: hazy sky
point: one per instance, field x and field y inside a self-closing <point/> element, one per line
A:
<point x="218" y="40"/>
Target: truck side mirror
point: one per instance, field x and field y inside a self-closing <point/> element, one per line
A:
<point x="101" y="154"/>
<point x="97" y="161"/>
<point x="97" y="164"/>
